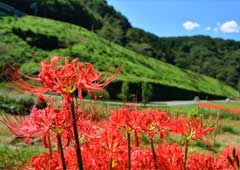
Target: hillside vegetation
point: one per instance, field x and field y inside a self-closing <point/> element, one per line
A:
<point x="28" y="40"/>
<point x="214" y="57"/>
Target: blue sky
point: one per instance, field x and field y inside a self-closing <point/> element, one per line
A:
<point x="217" y="18"/>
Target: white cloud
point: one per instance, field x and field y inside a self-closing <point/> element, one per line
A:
<point x="230" y="27"/>
<point x="208" y="28"/>
<point x="189" y="25"/>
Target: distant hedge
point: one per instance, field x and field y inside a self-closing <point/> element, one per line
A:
<point x="159" y="92"/>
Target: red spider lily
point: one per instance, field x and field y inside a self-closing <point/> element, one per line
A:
<point x="14" y="79"/>
<point x="232" y="156"/>
<point x="44" y="122"/>
<point x="118" y="117"/>
<point x="210" y="106"/>
<point x="96" y="158"/>
<point x="111" y="142"/>
<point x="86" y="128"/>
<point x="206" y="162"/>
<point x="44" y="162"/>
<point x="233" y="110"/>
<point x="41" y="98"/>
<point x="142" y="159"/>
<point x="217" y="107"/>
<point x="155" y="120"/>
<point x="190" y="128"/>
<point x="130" y="119"/>
<point x="61" y="79"/>
<point x="53" y="162"/>
<point x="170" y="157"/>
<point x="14" y="124"/>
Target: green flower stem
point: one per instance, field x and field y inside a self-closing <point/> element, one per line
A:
<point x="110" y="164"/>
<point x="50" y="146"/>
<point x="60" y="147"/>
<point x="76" y="138"/>
<point x="185" y="154"/>
<point x="129" y="150"/>
<point x="154" y="154"/>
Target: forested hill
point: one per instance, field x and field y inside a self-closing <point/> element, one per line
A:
<point x="217" y="58"/>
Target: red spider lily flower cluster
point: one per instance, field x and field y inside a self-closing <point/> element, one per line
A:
<point x="103" y="144"/>
<point x="155" y="122"/>
<point x="233" y="157"/>
<point x="190" y="128"/>
<point x="45" y="123"/>
<point x="170" y="157"/>
<point x="61" y="79"/>
<point x="45" y="161"/>
<point x="200" y="161"/>
<point x="217" y="107"/>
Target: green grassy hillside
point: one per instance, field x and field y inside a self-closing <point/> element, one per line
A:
<point x="215" y="57"/>
<point x="28" y="40"/>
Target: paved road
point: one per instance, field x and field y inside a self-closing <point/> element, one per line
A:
<point x="166" y="103"/>
<point x="183" y="102"/>
<point x="163" y="103"/>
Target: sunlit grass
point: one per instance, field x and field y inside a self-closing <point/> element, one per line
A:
<point x="231" y="104"/>
<point x="12" y="157"/>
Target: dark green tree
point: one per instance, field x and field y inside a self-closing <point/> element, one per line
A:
<point x="125" y="91"/>
<point x="147" y="92"/>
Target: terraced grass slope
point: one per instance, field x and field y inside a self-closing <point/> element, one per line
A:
<point x="31" y="39"/>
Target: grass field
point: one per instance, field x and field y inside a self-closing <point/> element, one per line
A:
<point x="14" y="152"/>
